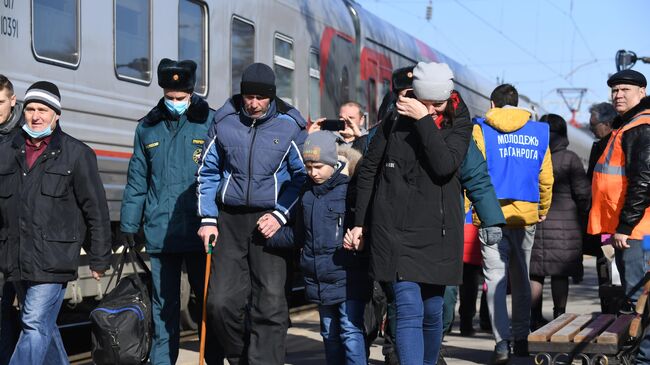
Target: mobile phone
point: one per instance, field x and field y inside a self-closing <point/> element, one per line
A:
<point x="332" y="125"/>
<point x="410" y="94"/>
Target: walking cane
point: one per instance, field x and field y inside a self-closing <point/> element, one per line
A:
<point x="208" y="259"/>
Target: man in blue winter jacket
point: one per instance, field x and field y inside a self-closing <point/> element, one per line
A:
<point x="249" y="179"/>
<point x="160" y="194"/>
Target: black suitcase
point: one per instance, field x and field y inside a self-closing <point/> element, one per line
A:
<point x="121" y="324"/>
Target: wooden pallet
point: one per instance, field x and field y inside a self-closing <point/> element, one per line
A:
<point x="588" y="333"/>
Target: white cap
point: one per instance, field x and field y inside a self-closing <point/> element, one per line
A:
<point x="433" y="81"/>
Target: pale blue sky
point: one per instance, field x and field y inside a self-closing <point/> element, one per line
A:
<point x="536" y="45"/>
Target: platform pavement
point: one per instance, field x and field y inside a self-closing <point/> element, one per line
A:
<point x="304" y="344"/>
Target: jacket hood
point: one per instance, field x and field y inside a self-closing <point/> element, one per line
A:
<point x="337" y="178"/>
<point x="557" y="142"/>
<point x="15" y="119"/>
<point x="629" y="115"/>
<point x="235" y="104"/>
<point x="197" y="112"/>
<point x="507" y="119"/>
<point x="351" y="158"/>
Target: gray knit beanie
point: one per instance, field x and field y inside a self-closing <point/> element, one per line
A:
<point x="432" y="81"/>
<point x="320" y="147"/>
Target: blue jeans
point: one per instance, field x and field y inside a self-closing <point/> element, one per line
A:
<point x="341" y="326"/>
<point x="419" y="322"/>
<point x="9" y="323"/>
<point x="632" y="264"/>
<point x="40" y="341"/>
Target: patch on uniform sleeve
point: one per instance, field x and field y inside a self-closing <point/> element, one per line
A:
<point x="196" y="155"/>
<point x="152" y="145"/>
<point x="198" y="141"/>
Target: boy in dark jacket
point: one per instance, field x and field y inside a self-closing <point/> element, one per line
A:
<point x="335" y="275"/>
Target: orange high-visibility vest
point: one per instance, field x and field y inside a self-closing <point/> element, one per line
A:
<point x="609" y="185"/>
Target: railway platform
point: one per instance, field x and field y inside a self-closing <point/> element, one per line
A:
<point x="304" y="344"/>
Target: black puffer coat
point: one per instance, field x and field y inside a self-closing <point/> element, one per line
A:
<point x="409" y="199"/>
<point x="558" y="240"/>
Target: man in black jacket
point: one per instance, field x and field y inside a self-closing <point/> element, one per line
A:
<point x="10" y="118"/>
<point x="51" y="199"/>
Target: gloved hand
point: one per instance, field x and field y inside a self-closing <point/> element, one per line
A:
<point x="492" y="235"/>
<point x="128" y="239"/>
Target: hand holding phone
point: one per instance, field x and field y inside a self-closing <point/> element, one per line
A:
<point x="332" y="125"/>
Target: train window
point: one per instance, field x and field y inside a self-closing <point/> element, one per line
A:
<point x="242" y="50"/>
<point x="133" y="40"/>
<point x="192" y="39"/>
<point x="314" y="84"/>
<point x="284" y="66"/>
<point x="372" y="99"/>
<point x="56" y="44"/>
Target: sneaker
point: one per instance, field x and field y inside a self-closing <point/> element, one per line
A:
<point x="520" y="348"/>
<point x="501" y="354"/>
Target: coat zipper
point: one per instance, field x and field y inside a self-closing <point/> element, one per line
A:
<point x="442" y="211"/>
<point x="250" y="161"/>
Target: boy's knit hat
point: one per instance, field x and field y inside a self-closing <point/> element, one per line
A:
<point x="320" y="147"/>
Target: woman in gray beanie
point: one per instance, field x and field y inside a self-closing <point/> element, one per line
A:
<point x="409" y="203"/>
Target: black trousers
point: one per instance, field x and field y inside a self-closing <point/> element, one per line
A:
<point x="472" y="278"/>
<point x="247" y="307"/>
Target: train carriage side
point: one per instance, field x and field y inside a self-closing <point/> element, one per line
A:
<point x="385" y="47"/>
<point x="103" y="57"/>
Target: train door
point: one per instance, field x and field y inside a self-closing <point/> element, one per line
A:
<point x="337" y="67"/>
<point x="376" y="70"/>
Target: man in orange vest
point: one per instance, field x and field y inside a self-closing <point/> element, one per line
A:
<point x="621" y="185"/>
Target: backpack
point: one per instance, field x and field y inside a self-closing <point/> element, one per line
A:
<point x="121" y="324"/>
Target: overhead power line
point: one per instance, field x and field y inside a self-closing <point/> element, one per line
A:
<point x="520" y="47"/>
<point x="577" y="29"/>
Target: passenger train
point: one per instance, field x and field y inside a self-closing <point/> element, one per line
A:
<point x="103" y="56"/>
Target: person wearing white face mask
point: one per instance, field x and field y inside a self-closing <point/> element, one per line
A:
<point x="160" y="188"/>
<point x="51" y="199"/>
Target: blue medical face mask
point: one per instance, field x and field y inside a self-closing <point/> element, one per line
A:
<point x="41" y="134"/>
<point x="177" y="107"/>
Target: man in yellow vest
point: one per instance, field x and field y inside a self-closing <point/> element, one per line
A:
<point x="621" y="185"/>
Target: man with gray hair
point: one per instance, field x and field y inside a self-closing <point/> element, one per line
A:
<point x="600" y="124"/>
